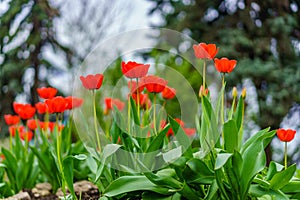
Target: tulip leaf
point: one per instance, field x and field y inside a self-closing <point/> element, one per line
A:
<point x="230" y="136"/>
<point x="126" y="184"/>
<point x="282" y="178"/>
<point x="222" y="159"/>
<point x="68" y="173"/>
<point x="181" y="137"/>
<point x="292" y="187"/>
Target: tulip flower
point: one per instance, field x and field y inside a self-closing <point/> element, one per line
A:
<point x="31" y="124"/>
<point x="14" y="129"/>
<point x="73" y="102"/>
<point x="154" y="84"/>
<point x="134" y="70"/>
<point x="57" y="104"/>
<point x="110" y="103"/>
<point x="46" y="92"/>
<point x="205" y="51"/>
<point x="92" y="82"/>
<point x="224" y="65"/>
<point x="168" y="93"/>
<point x="25" y="111"/>
<point x="41" y="107"/>
<point x="11" y="119"/>
<point x="26" y="135"/>
<point x="285" y="135"/>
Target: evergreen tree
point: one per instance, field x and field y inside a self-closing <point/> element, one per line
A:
<point x="27" y="30"/>
<point x="264" y="37"/>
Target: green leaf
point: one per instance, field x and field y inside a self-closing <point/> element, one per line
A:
<point x="239" y="113"/>
<point x="282" y="178"/>
<point x="68" y="173"/>
<point x="156" y="144"/>
<point x="80" y="157"/>
<point x="134" y="111"/>
<point x="230" y="136"/>
<point x="253" y="138"/>
<point x="273" y="169"/>
<point x="181" y="137"/>
<point x="292" y="187"/>
<point x="257" y="191"/>
<point x="172" y="154"/>
<point x="198" y="172"/>
<point x="222" y="159"/>
<point x="127" y="184"/>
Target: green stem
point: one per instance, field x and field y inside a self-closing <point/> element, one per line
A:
<point x="58" y="144"/>
<point x="285" y="155"/>
<point x="222" y="105"/>
<point x="154" y="113"/>
<point x="128" y="110"/>
<point x="204" y="74"/>
<point x="138" y="98"/>
<point x="95" y="121"/>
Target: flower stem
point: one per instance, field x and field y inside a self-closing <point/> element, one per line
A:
<point x="222" y="106"/>
<point x="128" y="110"/>
<point x="285" y="155"/>
<point x="58" y="150"/>
<point x="204" y="74"/>
<point x="138" y="97"/>
<point x="154" y="113"/>
<point x="95" y="121"/>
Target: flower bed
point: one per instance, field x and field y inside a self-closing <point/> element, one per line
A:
<point x="142" y="153"/>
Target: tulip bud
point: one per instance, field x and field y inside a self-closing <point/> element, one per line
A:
<point x="203" y="92"/>
<point x="234" y="92"/>
<point x="244" y="93"/>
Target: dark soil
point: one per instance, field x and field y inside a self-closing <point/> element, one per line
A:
<point x="90" y="195"/>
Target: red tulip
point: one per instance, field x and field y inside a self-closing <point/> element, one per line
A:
<point x="110" y="103"/>
<point x="26" y="135"/>
<point x="92" y="82"/>
<point x="205" y="51"/>
<point x="286" y="135"/>
<point x="144" y="101"/>
<point x="13" y="129"/>
<point x="133" y="87"/>
<point x="224" y="65"/>
<point x="134" y="70"/>
<point x="57" y="104"/>
<point x="170" y="131"/>
<point x="46" y="92"/>
<point x="31" y="124"/>
<point x="168" y="93"/>
<point x="73" y="102"/>
<point x="189" y="131"/>
<point x="41" y="107"/>
<point x="154" y="84"/>
<point x="11" y="119"/>
<point x="25" y="111"/>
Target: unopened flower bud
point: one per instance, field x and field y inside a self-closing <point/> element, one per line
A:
<point x="234" y="92"/>
<point x="203" y="92"/>
<point x="244" y="93"/>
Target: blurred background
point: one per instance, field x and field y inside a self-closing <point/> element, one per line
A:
<point x="43" y="43"/>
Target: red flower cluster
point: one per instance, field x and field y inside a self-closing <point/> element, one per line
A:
<point x="286" y="135"/>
